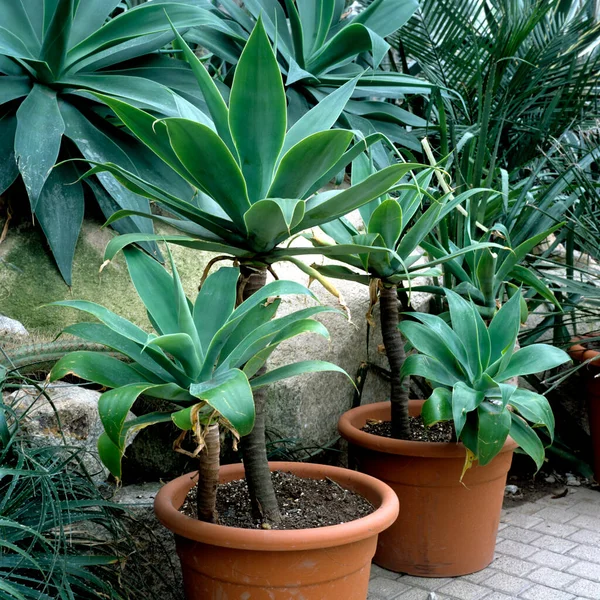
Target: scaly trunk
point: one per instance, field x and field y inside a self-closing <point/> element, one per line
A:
<point x="254" y="445"/>
<point x="208" y="476"/>
<point x="394" y="349"/>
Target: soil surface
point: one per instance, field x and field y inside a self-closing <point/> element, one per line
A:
<point x="304" y="503"/>
<point x="440" y="432"/>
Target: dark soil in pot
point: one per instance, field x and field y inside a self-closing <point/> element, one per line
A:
<point x="304" y="503"/>
<point x="440" y="432"/>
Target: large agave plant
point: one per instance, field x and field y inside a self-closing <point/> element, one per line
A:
<point x="321" y="45"/>
<point x="203" y="358"/>
<point x="472" y="367"/>
<point x="52" y="54"/>
<point x="258" y="181"/>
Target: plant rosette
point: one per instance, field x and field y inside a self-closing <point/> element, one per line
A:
<point x="324" y="562"/>
<point x="451" y="493"/>
<point x="582" y="355"/>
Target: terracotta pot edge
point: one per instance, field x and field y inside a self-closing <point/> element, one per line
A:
<point x="276" y="540"/>
<point x="401" y="447"/>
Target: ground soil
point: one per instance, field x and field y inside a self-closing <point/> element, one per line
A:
<point x="304" y="503"/>
<point x="440" y="432"/>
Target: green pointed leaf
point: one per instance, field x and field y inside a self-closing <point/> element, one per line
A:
<point x="321" y="117"/>
<point x="504" y="329"/>
<point x="216" y="105"/>
<point x="37" y="139"/>
<point x="211" y="165"/>
<point x="533" y="359"/>
<point x="386" y="220"/>
<point x="61" y="195"/>
<point x="464" y="400"/>
<point x="307" y="161"/>
<point x="299" y="368"/>
<point x="494" y="425"/>
<point x="438" y="407"/>
<point x="56" y="38"/>
<point x="270" y="221"/>
<point x="257" y="112"/>
<point x="535" y="408"/>
<point x="428" y="368"/>
<point x="527" y="439"/>
<point x="182" y="347"/>
<point x="231" y="396"/>
<point x="322" y="210"/>
<point x="99" y="368"/>
<point x="215" y="303"/>
<point x="110" y="455"/>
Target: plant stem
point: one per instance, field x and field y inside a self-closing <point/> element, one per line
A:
<point x="254" y="446"/>
<point x="208" y="476"/>
<point x="394" y="349"/>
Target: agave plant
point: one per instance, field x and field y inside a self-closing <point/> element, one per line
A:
<point x="386" y="223"/>
<point x="472" y="367"/>
<point x="258" y="181"/>
<point x="52" y="54"/>
<point x="206" y="358"/>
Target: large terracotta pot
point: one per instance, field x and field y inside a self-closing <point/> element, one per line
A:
<point x="445" y="528"/>
<point x="591" y="371"/>
<point x="229" y="563"/>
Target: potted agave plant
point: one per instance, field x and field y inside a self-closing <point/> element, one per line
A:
<point x="207" y="358"/>
<point x="258" y="181"/>
<point x="451" y="492"/>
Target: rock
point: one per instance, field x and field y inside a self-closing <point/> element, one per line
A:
<point x="511" y="489"/>
<point x="550" y="479"/>
<point x="572" y="480"/>
<point x="11" y="327"/>
<point x="72" y="412"/>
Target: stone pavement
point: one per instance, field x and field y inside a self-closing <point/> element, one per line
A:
<point x="546" y="550"/>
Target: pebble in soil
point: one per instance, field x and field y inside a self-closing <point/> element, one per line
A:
<point x="440" y="432"/>
<point x="304" y="503"/>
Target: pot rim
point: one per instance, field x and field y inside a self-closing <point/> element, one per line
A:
<point x="350" y="431"/>
<point x="580" y="353"/>
<point x="280" y="540"/>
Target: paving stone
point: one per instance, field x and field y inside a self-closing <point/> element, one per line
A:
<point x="557" y="515"/>
<point x="513" y="566"/>
<point x="480" y="575"/>
<point x="585" y="552"/>
<point x="377" y="571"/>
<point x="504" y="582"/>
<point x="585" y="588"/>
<point x="464" y="590"/>
<point x="586" y="570"/>
<point x="388" y="588"/>
<point x="554" y="544"/>
<point x="526" y="536"/>
<point x="560" y="530"/>
<point x="551" y="578"/>
<point x="546" y="558"/>
<point x="585" y="536"/>
<point x="418" y="594"/>
<point x="591" y="509"/>
<point x="515" y="549"/>
<point x="522" y="520"/>
<point x="586" y="522"/>
<point x="541" y="592"/>
<point x="427" y="583"/>
<point x="498" y="596"/>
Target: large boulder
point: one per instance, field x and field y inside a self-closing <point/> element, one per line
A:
<point x="59" y="415"/>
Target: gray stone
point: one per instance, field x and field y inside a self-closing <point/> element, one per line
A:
<point x="63" y="414"/>
<point x="11" y="327"/>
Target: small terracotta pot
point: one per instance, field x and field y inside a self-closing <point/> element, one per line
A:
<point x="591" y="372"/>
<point x="229" y="563"/>
<point x="445" y="528"/>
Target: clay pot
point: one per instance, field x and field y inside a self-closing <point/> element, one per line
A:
<point x="313" y="564"/>
<point x="445" y="528"/>
<point x="591" y="372"/>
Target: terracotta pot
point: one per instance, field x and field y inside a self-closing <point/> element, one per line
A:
<point x="445" y="528"/>
<point x="229" y="563"/>
<point x="591" y="373"/>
